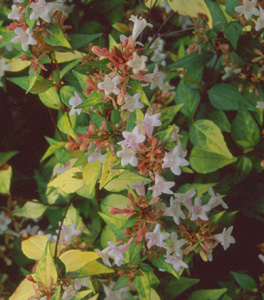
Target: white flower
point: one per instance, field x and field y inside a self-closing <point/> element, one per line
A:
<point x="156" y="238"/>
<point x="139" y="25"/>
<point x="176" y="261"/>
<point x="216" y="200"/>
<point x="139" y="187"/>
<point x="75" y="101"/>
<point x="149" y="122"/>
<point x="109" y="85"/>
<point x="175" y="160"/>
<point x="117" y="252"/>
<point x="128" y="156"/>
<point x="175" y="211"/>
<point x="183" y="197"/>
<point x="175" y="136"/>
<point x="184" y="21"/>
<point x="66" y="8"/>
<point x="260" y="104"/>
<point x="79" y="282"/>
<point x="42" y="10"/>
<point x="260" y="23"/>
<point x="132" y="139"/>
<point x="161" y="186"/>
<point x="69" y="293"/>
<point x="3" y="67"/>
<point x="23" y="37"/>
<point x="132" y="102"/>
<point x="230" y="71"/>
<point x="138" y="63"/>
<point x="225" y="237"/>
<point x="15" y="14"/>
<point x="30" y="230"/>
<point x="120" y="294"/>
<point x="176" y="245"/>
<point x="158" y="43"/>
<point x="156" y="79"/>
<point x="198" y="210"/>
<point x="104" y="254"/>
<point x="97" y="155"/>
<point x="68" y="232"/>
<point x="4" y="221"/>
<point x="157" y="56"/>
<point x="248" y="8"/>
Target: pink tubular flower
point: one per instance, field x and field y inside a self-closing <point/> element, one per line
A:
<point x="156" y="238"/>
<point x="149" y="122"/>
<point x="197" y="210"/>
<point x="139" y="25"/>
<point x="161" y="186"/>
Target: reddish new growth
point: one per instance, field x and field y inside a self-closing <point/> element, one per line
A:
<point x="147" y="218"/>
<point x="150" y="157"/>
<point x="199" y="239"/>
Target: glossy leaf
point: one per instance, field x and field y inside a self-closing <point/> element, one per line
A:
<point x="34" y="246"/>
<point x="50" y="98"/>
<point x="57" y="296"/>
<point x="245" y="281"/>
<point x="115" y="201"/>
<point x="115" y="224"/>
<point x="81" y="79"/>
<point x="24" y="291"/>
<point x="56" y="37"/>
<point x="66" y="124"/>
<point x="31" y="210"/>
<point x="178" y="286"/>
<point x="52" y="149"/>
<point x="5" y="156"/>
<point x="243" y="168"/>
<point x="94" y="268"/>
<point x="161" y="264"/>
<point x="90" y="174"/>
<point x="168" y="114"/>
<point x="232" y="32"/>
<point x="73" y="217"/>
<point x="5" y="178"/>
<point x="142" y="285"/>
<point x="207" y="294"/>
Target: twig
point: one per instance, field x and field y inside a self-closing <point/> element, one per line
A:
<point x="156" y="35"/>
<point x="55" y="125"/>
<point x="151" y="10"/>
<point x="30" y="200"/>
<point x="60" y="228"/>
<point x="175" y="33"/>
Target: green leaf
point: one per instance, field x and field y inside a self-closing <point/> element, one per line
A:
<point x="31" y="210"/>
<point x="81" y="79"/>
<point x="245" y="281"/>
<point x="125" y="179"/>
<point x="52" y="149"/>
<point x="90" y="174"/>
<point x="66" y="124"/>
<point x="222" y="218"/>
<point x="82" y="40"/>
<point x="168" y="114"/>
<point x="243" y="168"/>
<point x="193" y="60"/>
<point x="230" y="6"/>
<point x="41" y="84"/>
<point x="93" y="268"/>
<point x="207" y="294"/>
<point x="142" y="285"/>
<point x="122" y="281"/>
<point x="56" y="37"/>
<point x="106" y="236"/>
<point x="108" y="173"/>
<point x="115" y="224"/>
<point x="5" y="178"/>
<point x="227" y="97"/>
<point x="178" y="286"/>
<point x="94" y="98"/>
<point x="206" y="162"/>
<point x="73" y="217"/>
<point x="206" y="135"/>
<point x="68" y="181"/>
<point x="221" y="120"/>
<point x="68" y="67"/>
<point x="32" y="78"/>
<point x="245" y="130"/>
<point x="165" y="135"/>
<point x="5" y="156"/>
<point x="232" y="33"/>
<point x="115" y="201"/>
<point x="189" y="97"/>
<point x="50" y="98"/>
<point x="219" y="19"/>
<point x="46" y="271"/>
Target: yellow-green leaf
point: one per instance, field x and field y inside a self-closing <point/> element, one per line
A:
<point x="192" y="8"/>
<point x="52" y="149"/>
<point x="76" y="259"/>
<point x="24" y="291"/>
<point x="16" y="64"/>
<point x="108" y="173"/>
<point x="68" y="181"/>
<point x="82" y="294"/>
<point x="46" y="271"/>
<point x="66" y="124"/>
<point x="34" y="246"/>
<point x="62" y="57"/>
<point x="57" y="296"/>
<point x="50" y="98"/>
<point x="5" y="178"/>
<point x="30" y="210"/>
<point x="90" y="174"/>
<point x="94" y="268"/>
<point x="73" y="217"/>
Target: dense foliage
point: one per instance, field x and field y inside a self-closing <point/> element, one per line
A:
<point x="157" y="148"/>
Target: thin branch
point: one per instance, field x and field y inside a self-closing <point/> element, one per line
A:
<point x="30" y="200"/>
<point x="151" y="10"/>
<point x="55" y="125"/>
<point x="156" y="35"/>
<point x="60" y="228"/>
<point x="175" y="33"/>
